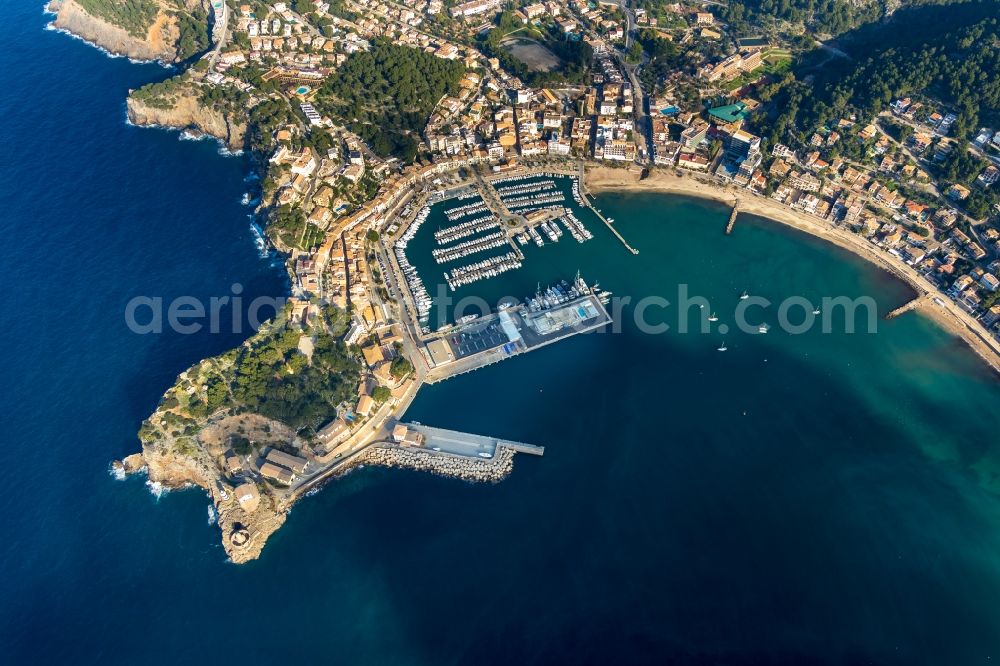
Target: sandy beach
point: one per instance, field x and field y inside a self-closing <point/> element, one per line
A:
<point x="940" y="309"/>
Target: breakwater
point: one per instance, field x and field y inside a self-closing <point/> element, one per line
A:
<point x="491" y="470"/>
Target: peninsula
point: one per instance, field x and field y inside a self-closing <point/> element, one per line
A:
<point x="365" y="117"/>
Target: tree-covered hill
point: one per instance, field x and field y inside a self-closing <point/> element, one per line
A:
<point x="951" y="53"/>
<point x="386" y="95"/>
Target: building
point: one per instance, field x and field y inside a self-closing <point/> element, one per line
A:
<point x="365" y="404"/>
<point x="693" y="136"/>
<point x="474" y="8"/>
<point x="233" y="465"/>
<point x="247" y="496"/>
<point x="619" y="150"/>
<point x="276" y="473"/>
<point x="333" y="433"/>
<point x="286" y="460"/>
<point x="730" y="113"/>
<point x="406" y="436"/>
<point x="742" y="145"/>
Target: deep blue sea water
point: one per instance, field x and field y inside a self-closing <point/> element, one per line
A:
<point x="834" y="503"/>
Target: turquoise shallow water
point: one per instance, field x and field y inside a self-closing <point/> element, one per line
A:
<point x="836" y="503"/>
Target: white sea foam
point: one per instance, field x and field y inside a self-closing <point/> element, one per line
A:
<point x="187" y="134"/>
<point x="117" y="471"/>
<point x="212" y="515"/>
<point x="52" y="27"/>
<point x="259" y="240"/>
<point x="156" y="489"/>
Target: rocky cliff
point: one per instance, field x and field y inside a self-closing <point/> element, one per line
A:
<point x="159" y="42"/>
<point x="186" y="112"/>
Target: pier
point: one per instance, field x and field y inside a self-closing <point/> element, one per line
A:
<point x="917" y="302"/>
<point x="495" y="337"/>
<point x="452" y="442"/>
<point x="586" y="202"/>
<point x="732" y="217"/>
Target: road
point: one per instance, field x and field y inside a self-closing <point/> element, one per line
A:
<point x="220" y="32"/>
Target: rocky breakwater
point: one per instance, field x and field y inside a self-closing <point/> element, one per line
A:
<point x="491" y="470"/>
<point x="181" y="108"/>
<point x="143" y="31"/>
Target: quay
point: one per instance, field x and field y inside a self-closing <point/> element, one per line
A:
<point x="509" y="332"/>
<point x="732" y="217"/>
<point x="452" y="442"/>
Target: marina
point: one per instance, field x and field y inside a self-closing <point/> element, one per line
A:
<point x="488" y="242"/>
<point x="466" y="229"/>
<point x="482" y="270"/>
<point x="552" y="314"/>
<point x="459" y="212"/>
<point x="544" y="216"/>
<point x="421" y="298"/>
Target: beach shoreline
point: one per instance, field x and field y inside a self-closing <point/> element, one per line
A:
<point x="940" y="309"/>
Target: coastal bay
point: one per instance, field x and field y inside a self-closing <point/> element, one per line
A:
<point x="800" y="498"/>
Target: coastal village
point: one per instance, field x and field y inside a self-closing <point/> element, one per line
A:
<point x="535" y="94"/>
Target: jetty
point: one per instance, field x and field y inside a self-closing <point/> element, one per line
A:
<point x="732" y="217"/>
<point x="586" y="202"/>
<point x="453" y="442"/>
<point x="913" y="304"/>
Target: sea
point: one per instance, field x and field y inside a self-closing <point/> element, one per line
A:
<point x="809" y="498"/>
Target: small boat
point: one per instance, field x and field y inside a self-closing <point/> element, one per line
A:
<point x="723" y="347"/>
<point x="712" y="317"/>
<point x="762" y="328"/>
<point x="816" y="311"/>
<point x="744" y="296"/>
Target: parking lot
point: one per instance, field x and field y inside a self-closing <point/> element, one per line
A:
<point x="474" y="341"/>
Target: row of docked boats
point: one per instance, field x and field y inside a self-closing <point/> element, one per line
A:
<point x="551" y="230"/>
<point x="459" y="212"/>
<point x="465" y="229"/>
<point x="482" y="270"/>
<point x="534" y="200"/>
<point x="575" y="227"/>
<point x="488" y="242"/>
<point x="421" y="298"/>
<point x="575" y="189"/>
<point x="526" y="188"/>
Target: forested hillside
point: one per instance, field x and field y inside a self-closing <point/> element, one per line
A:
<point x="949" y="52"/>
<point x="386" y="95"/>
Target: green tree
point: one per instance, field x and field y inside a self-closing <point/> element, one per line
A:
<point x="400" y="367"/>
